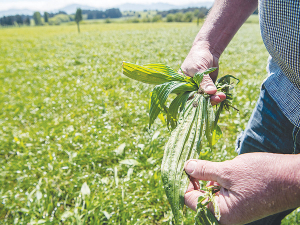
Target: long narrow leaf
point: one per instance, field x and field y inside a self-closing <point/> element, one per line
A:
<point x="159" y="96"/>
<point x="210" y="70"/>
<point x="151" y="74"/>
<point x="185" y="87"/>
<point x="198" y="78"/>
<point x="168" y="70"/>
<point x="176" y="106"/>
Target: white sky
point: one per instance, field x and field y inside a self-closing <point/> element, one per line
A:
<point x="56" y="4"/>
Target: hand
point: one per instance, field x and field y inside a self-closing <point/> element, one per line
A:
<point x="253" y="185"/>
<point x="198" y="60"/>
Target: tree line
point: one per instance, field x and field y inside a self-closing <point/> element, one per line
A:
<point x="98" y="14"/>
<point x="15" y="20"/>
<point x="37" y="17"/>
<point x="202" y="11"/>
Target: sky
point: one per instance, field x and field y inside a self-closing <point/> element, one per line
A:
<point x="56" y="4"/>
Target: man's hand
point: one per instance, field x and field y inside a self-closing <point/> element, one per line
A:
<point x="223" y="21"/>
<point x="200" y="59"/>
<point x="253" y="185"/>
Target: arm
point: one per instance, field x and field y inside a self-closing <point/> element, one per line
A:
<point x="253" y="185"/>
<point x="223" y="21"/>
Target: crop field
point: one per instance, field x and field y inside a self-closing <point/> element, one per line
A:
<point x="75" y="147"/>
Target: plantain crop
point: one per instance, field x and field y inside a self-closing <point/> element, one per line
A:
<point x="191" y="120"/>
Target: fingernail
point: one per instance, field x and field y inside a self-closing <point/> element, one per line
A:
<point x="210" y="88"/>
<point x="190" y="167"/>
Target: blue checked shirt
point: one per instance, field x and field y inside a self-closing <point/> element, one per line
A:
<point x="280" y="30"/>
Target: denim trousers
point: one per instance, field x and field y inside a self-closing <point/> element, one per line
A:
<point x="269" y="130"/>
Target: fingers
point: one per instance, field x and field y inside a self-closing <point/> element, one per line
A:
<point x="217" y="98"/>
<point x="191" y="199"/>
<point x="212" y="183"/>
<point x="193" y="185"/>
<point x="208" y="86"/>
<point x="202" y="169"/>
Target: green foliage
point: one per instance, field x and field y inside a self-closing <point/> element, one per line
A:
<point x="179" y="17"/>
<point x="37" y="18"/>
<point x="188" y="17"/>
<point x="156" y="18"/>
<point x="107" y="20"/>
<point x="64" y="114"/>
<point x="170" y="18"/>
<point x="185" y="141"/>
<point x="78" y="15"/>
<point x="78" y="18"/>
<point x="58" y="19"/>
<point x="46" y="17"/>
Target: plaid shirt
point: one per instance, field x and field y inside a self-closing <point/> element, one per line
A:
<point x="280" y="30"/>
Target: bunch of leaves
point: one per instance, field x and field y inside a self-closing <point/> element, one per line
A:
<point x="177" y="151"/>
<point x="203" y="215"/>
<point x="168" y="81"/>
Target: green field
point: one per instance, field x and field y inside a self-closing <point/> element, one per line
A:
<point x="74" y="141"/>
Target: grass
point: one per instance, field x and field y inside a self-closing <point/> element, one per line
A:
<point x="74" y="143"/>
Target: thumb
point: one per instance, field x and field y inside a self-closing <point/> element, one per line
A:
<point x="202" y="169"/>
<point x="207" y="85"/>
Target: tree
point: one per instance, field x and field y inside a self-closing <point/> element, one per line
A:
<point x="78" y="18"/>
<point x="113" y="13"/>
<point x="170" y="17"/>
<point x="37" y="18"/>
<point x="19" y="20"/>
<point x="188" y="17"/>
<point x="156" y="18"/>
<point x="200" y="14"/>
<point x="46" y="17"/>
<point x="27" y="21"/>
<point x="178" y="17"/>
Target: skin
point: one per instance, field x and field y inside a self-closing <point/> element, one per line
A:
<point x="253" y="185"/>
<point x="222" y="23"/>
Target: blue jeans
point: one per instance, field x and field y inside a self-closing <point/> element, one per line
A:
<point x="269" y="130"/>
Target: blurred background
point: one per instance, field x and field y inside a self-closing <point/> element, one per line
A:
<point x="75" y="147"/>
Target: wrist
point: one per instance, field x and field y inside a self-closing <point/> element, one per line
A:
<point x="204" y="45"/>
<point x="216" y="49"/>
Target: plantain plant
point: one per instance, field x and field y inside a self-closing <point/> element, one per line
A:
<point x="190" y="117"/>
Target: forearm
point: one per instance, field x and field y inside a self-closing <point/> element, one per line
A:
<point x="288" y="184"/>
<point x="222" y="23"/>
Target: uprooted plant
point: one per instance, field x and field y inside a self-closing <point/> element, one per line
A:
<point x="190" y="117"/>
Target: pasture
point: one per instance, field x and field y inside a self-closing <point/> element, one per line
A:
<point x="75" y="147"/>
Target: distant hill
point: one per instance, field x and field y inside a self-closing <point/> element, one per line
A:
<point x="12" y="12"/>
<point x="70" y="9"/>
<point x="141" y="7"/>
<point x="160" y="6"/>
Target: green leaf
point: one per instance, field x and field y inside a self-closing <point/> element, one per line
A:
<point x="120" y="150"/>
<point x="177" y="105"/>
<point x="209" y="122"/>
<point x="159" y="96"/>
<point x="198" y="78"/>
<point x="168" y="70"/>
<point x="130" y="162"/>
<point x="152" y="73"/>
<point x="185" y="87"/>
<point x="216" y="135"/>
<point x="210" y="70"/>
<point x="218" y="112"/>
<point x="203" y="215"/>
<point x="226" y="80"/>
